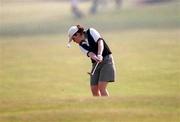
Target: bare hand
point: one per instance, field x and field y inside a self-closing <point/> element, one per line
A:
<point x="99" y="58"/>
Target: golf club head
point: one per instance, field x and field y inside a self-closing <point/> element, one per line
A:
<point x="89" y="73"/>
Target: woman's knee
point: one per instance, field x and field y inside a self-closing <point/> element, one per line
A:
<point x="102" y="88"/>
<point x="102" y="85"/>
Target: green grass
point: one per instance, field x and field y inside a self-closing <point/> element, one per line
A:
<point x="115" y="109"/>
<point x="43" y="81"/>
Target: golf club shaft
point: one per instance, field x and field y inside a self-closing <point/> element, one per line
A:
<point x="92" y="73"/>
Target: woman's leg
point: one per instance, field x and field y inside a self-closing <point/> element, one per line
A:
<point x="95" y="90"/>
<point x="102" y="88"/>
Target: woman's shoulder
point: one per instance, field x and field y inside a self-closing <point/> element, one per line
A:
<point x="92" y="29"/>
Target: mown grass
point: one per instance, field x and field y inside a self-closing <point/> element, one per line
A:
<point x="42" y="80"/>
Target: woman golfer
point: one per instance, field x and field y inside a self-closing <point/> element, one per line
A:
<point x="93" y="45"/>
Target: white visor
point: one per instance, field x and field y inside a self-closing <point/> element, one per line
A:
<point x="72" y="30"/>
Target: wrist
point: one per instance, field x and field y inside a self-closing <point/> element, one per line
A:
<point x="99" y="54"/>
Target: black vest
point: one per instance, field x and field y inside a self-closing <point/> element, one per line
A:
<point x="93" y="46"/>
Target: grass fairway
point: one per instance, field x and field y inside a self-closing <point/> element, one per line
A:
<point x="115" y="109"/>
<point x="43" y="81"/>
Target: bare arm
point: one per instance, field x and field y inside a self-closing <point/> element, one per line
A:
<point x="100" y="50"/>
<point x="100" y="47"/>
<point x="93" y="56"/>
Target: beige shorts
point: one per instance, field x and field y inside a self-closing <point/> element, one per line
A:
<point x="105" y="71"/>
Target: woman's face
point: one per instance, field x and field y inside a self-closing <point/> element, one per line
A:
<point x="77" y="37"/>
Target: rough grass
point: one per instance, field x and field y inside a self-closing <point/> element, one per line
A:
<point x="115" y="109"/>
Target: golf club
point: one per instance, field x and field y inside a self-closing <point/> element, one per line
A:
<point x="93" y="70"/>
